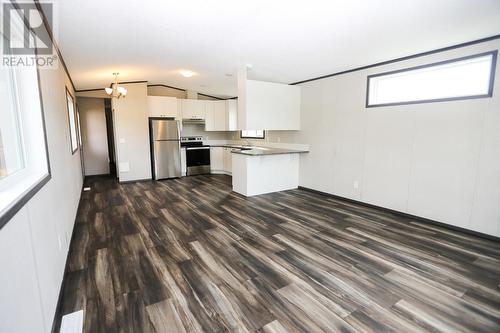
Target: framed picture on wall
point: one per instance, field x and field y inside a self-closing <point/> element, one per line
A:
<point x="70" y="101"/>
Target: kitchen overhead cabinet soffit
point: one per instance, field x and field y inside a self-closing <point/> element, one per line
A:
<point x="267" y="105"/>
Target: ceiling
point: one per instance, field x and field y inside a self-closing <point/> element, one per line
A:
<point x="284" y="41"/>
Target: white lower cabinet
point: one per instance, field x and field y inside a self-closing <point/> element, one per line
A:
<point x="220" y="160"/>
<point x="183" y="162"/>
<point x="217" y="159"/>
<point x="228" y="160"/>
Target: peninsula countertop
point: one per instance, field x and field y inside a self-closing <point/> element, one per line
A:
<point x="262" y="151"/>
<point x="251" y="150"/>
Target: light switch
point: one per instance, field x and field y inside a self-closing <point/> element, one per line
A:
<point x="355" y="184"/>
<point x="122" y="140"/>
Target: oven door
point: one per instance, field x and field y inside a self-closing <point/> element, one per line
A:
<point x="197" y="160"/>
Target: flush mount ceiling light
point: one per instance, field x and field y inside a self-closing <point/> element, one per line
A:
<point x="186" y="73"/>
<point x="115" y="91"/>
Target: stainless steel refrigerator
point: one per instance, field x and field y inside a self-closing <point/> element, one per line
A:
<point x="165" y="148"/>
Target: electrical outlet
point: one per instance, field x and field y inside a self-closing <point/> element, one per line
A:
<point x="355" y="184"/>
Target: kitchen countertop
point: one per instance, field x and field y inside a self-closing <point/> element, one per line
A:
<point x="258" y="151"/>
<point x="262" y="151"/>
<point x="225" y="145"/>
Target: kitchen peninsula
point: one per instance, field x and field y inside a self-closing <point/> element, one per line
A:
<point x="264" y="170"/>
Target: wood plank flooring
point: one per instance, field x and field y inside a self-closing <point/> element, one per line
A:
<point x="189" y="255"/>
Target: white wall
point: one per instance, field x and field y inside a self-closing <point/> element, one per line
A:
<point x="95" y="93"/>
<point x="438" y="160"/>
<point x="94" y="135"/>
<point x="267" y="105"/>
<point x="35" y="242"/>
<point x="166" y="91"/>
<point x="130" y="120"/>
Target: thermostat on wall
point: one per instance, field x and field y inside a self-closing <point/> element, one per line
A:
<point x="124" y="167"/>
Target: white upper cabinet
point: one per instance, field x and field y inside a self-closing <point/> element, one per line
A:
<point x="267" y="105"/>
<point x="193" y="108"/>
<point x="209" y="116"/>
<point x="231" y="115"/>
<point x="162" y="106"/>
<point x="220" y="116"/>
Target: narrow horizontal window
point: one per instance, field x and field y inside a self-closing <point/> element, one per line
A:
<point x="252" y="134"/>
<point x="463" y="78"/>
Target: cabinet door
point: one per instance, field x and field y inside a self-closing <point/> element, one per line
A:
<point x="210" y="124"/>
<point x="216" y="159"/>
<point x="162" y="106"/>
<point x="193" y="109"/>
<point x="183" y="162"/>
<point x="220" y="115"/>
<point x="231" y="115"/>
<point x="228" y="160"/>
<point x="186" y="109"/>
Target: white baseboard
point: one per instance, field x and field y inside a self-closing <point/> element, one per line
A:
<point x="220" y="172"/>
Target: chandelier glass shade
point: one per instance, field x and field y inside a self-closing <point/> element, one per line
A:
<point x="115" y="91"/>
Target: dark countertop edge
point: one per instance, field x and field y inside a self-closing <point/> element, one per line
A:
<point x="270" y="151"/>
<point x="276" y="151"/>
<point x="225" y="146"/>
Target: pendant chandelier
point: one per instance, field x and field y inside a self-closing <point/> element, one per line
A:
<point x="115" y="91"/>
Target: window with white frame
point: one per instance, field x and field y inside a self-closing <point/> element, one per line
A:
<point x="11" y="146"/>
<point x="462" y="78"/>
<point x="24" y="165"/>
<point x="252" y="134"/>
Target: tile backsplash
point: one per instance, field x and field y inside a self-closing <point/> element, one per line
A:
<point x="271" y="136"/>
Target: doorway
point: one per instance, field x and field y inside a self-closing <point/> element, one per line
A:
<point x="108" y="112"/>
